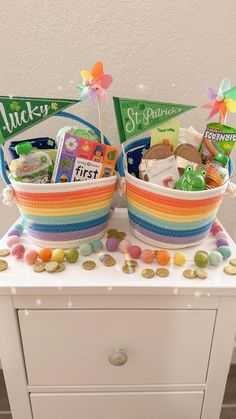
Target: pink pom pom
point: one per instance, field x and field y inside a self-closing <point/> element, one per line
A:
<point x="124" y="246"/>
<point x="12" y="240"/>
<point x="18" y="250"/>
<point x="134" y="252"/>
<point x="30" y="256"/>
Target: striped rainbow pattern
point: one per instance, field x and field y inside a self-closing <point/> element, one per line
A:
<point x="170" y="220"/>
<point x="63" y="216"/>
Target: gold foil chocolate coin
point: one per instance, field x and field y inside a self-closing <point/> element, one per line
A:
<point x="3" y="265"/>
<point x="128" y="269"/>
<point x="162" y="272"/>
<point x="131" y="262"/>
<point x="189" y="274"/>
<point x="4" y="252"/>
<point x="109" y="261"/>
<point x="39" y="267"/>
<point x="201" y="273"/>
<point x="232" y="261"/>
<point x="230" y="270"/>
<point x="88" y="265"/>
<point x="61" y="267"/>
<point x="148" y="273"/>
<point x="51" y="266"/>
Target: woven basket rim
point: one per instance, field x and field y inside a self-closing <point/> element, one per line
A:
<point x="63" y="186"/>
<point x="162" y="190"/>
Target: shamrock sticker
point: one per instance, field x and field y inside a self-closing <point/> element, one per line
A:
<point x="15" y="106"/>
<point x="54" y="106"/>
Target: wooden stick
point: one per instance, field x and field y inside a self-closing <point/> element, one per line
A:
<point x="100" y="120"/>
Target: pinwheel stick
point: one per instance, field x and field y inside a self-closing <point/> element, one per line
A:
<point x="100" y="119"/>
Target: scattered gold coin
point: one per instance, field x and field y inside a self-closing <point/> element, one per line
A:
<point x="51" y="266"/>
<point x="148" y="273"/>
<point x="121" y="234"/>
<point x="112" y="232"/>
<point x="128" y="269"/>
<point x="61" y="267"/>
<point x="3" y="265"/>
<point x="201" y="273"/>
<point x="154" y="252"/>
<point x="88" y="265"/>
<point x="162" y="272"/>
<point x="4" y="252"/>
<point x="189" y="274"/>
<point x="230" y="270"/>
<point x="109" y="261"/>
<point x="232" y="261"/>
<point x="39" y="267"/>
<point x="131" y="262"/>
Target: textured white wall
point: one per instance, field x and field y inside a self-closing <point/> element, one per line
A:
<point x="164" y="50"/>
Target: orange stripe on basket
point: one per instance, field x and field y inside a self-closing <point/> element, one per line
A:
<point x="66" y="195"/>
<point x="187" y="210"/>
<point x="174" y="202"/>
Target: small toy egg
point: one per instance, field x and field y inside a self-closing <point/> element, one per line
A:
<point x="134" y="251"/>
<point x="147" y="256"/>
<point x="30" y="256"/>
<point x="72" y="255"/>
<point x="124" y="245"/>
<point x="14" y="232"/>
<point x="19" y="227"/>
<point x="179" y="258"/>
<point x="17" y="250"/>
<point x="97" y="246"/>
<point x="112" y="244"/>
<point x="45" y="254"/>
<point x="58" y="255"/>
<point x="224" y="251"/>
<point x="85" y="249"/>
<point x="201" y="259"/>
<point x="11" y="240"/>
<point x="222" y="242"/>
<point x="215" y="258"/>
<point x="163" y="257"/>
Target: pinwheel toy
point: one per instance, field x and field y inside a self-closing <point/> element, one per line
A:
<point x="222" y="101"/>
<point x="94" y="86"/>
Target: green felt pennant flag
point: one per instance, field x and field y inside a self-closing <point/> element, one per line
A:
<point x="135" y="116"/>
<point x="20" y="113"/>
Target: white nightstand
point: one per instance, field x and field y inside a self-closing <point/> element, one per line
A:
<point x="61" y="335"/>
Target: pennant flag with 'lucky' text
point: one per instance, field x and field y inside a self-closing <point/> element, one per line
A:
<point x="20" y="113"/>
<point x="135" y="116"/>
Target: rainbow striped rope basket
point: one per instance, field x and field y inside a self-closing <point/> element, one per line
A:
<point x="64" y="214"/>
<point x="165" y="217"/>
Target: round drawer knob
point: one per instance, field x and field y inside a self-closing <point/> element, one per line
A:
<point x="118" y="357"/>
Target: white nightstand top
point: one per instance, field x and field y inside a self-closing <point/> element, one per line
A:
<point x="21" y="279"/>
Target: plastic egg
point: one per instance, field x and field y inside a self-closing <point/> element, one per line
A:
<point x="72" y="255"/>
<point x="224" y="251"/>
<point x="18" y="250"/>
<point x="201" y="259"/>
<point x="30" y="256"/>
<point x="97" y="246"/>
<point x="179" y="258"/>
<point x="147" y="256"/>
<point x="11" y="240"/>
<point x="85" y="249"/>
<point x="124" y="245"/>
<point x="215" y="258"/>
<point x="45" y="254"/>
<point x="112" y="244"/>
<point x="14" y="232"/>
<point x="163" y="257"/>
<point x="134" y="251"/>
<point x="58" y="255"/>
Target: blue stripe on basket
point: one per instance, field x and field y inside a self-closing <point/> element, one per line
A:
<point x="67" y="219"/>
<point x="67" y="227"/>
<point x="167" y="232"/>
<point x="169" y="224"/>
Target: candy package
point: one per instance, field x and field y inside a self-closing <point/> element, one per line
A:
<point x="217" y="138"/>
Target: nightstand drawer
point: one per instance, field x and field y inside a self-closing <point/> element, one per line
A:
<point x="117" y="406"/>
<point x="82" y="347"/>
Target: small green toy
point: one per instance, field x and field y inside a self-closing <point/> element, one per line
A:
<point x="192" y="180"/>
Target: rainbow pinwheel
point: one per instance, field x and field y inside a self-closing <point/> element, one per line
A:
<point x="95" y="83"/>
<point x="222" y="101"/>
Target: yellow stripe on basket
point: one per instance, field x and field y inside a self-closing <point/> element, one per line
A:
<point x="66" y="211"/>
<point x="170" y="217"/>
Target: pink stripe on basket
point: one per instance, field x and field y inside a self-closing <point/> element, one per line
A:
<point x="75" y="235"/>
<point x="168" y="239"/>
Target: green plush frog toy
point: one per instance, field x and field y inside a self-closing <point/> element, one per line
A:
<point x="192" y="180"/>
